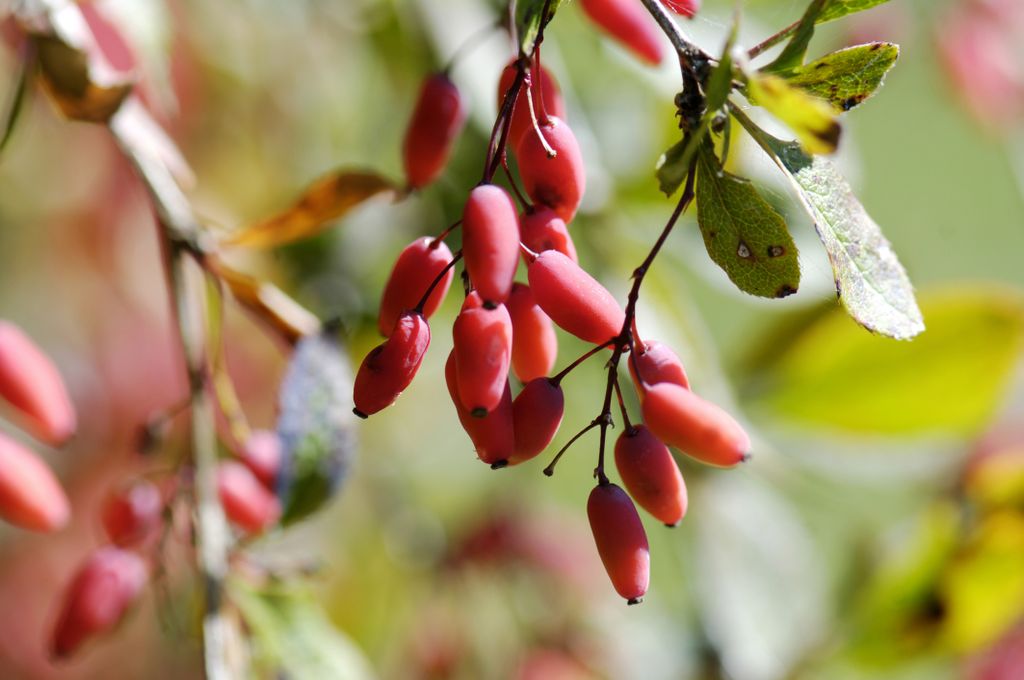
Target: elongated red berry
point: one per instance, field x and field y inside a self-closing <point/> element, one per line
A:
<point x="686" y="8"/>
<point x="436" y="122"/>
<point x="621" y="540"/>
<point x="417" y="267"/>
<point x="537" y="412"/>
<point x="30" y="495"/>
<point x="31" y="383"/>
<point x="555" y="181"/>
<point x="542" y="229"/>
<point x="261" y="453"/>
<point x="389" y="367"/>
<point x="490" y="241"/>
<point x="101" y="593"/>
<point x="483" y="351"/>
<point x="628" y="22"/>
<point x="133" y="513"/>
<point x="493" y="435"/>
<point x="247" y="503"/>
<point x="655" y="362"/>
<point x="547" y="99"/>
<point x="694" y="425"/>
<point x="651" y="474"/>
<point x="573" y="298"/>
<point x="534" y="343"/>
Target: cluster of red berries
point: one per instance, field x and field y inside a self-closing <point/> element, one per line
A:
<point x="507" y="327"/>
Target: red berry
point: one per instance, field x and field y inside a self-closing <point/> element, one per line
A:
<point x="537" y="413"/>
<point x="657" y="363"/>
<point x="389" y="367"/>
<point x="545" y="91"/>
<point x="490" y="241"/>
<point x="621" y="540"/>
<point x="483" y="350"/>
<point x="30" y="495"/>
<point x="493" y="435"/>
<point x="102" y="592"/>
<point x="246" y="502"/>
<point x="261" y="453"/>
<point x="416" y="268"/>
<point x="651" y="474"/>
<point x="542" y="229"/>
<point x="628" y="22"/>
<point x="686" y="8"/>
<point x="693" y="425"/>
<point x="559" y="181"/>
<point x="436" y="122"/>
<point x="534" y="343"/>
<point x="133" y="513"/>
<point x="574" y="299"/>
<point x="31" y="383"/>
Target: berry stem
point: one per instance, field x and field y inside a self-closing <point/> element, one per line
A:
<point x="773" y="40"/>
<point x="524" y="204"/>
<point x="437" y="280"/>
<point x="550" y="469"/>
<point x="444" y="234"/>
<point x="622" y="405"/>
<point x="557" y="379"/>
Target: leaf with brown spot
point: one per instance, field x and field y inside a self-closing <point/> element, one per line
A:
<point x="327" y="199"/>
<point x="847" y="77"/>
<point x="743" y="233"/>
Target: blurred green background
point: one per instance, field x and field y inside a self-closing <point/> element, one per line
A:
<point x="877" y="533"/>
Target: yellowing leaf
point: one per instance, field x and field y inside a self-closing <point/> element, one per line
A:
<point x="948" y="380"/>
<point x="326" y="199"/>
<point x="270" y="304"/>
<point x="74" y="85"/>
<point x="812" y="119"/>
<point x="847" y="77"/>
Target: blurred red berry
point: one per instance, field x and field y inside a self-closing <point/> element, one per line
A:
<point x="628" y="22"/>
<point x="30" y="495"/>
<point x="246" y="502"/>
<point x="133" y="513"/>
<point x="436" y="122"/>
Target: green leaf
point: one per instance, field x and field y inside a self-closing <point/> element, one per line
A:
<point x="847" y="77"/>
<point x="719" y="83"/>
<point x="836" y="9"/>
<point x="794" y="51"/>
<point x="316" y="426"/>
<point x="870" y="281"/>
<point x="675" y="163"/>
<point x="530" y="20"/>
<point x="812" y="119"/>
<point x="948" y="381"/>
<point x="292" y="637"/>
<point x="742" y="233"/>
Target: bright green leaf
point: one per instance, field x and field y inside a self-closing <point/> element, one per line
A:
<point x="950" y="380"/>
<point x="812" y="119"/>
<point x="292" y="637"/>
<point x="325" y="200"/>
<point x="316" y="426"/>
<point x="870" y="281"/>
<point x="836" y="9"/>
<point x="847" y="77"/>
<point x="793" y="54"/>
<point x="743" y="233"/>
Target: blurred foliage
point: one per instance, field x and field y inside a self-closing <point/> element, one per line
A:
<point x="870" y="537"/>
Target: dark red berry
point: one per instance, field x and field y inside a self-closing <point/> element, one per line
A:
<point x="628" y="22"/>
<point x="493" y="435"/>
<point x="133" y="513"/>
<point x="389" y="368"/>
<point x="542" y="229"/>
<point x="651" y="474"/>
<point x="483" y="351"/>
<point x="436" y="122"/>
<point x="534" y="343"/>
<point x="555" y="181"/>
<point x="693" y="425"/>
<point x="573" y="298"/>
<point x="490" y="241"/>
<point x="416" y="268"/>
<point x="621" y="540"/>
<point x="537" y="413"/>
